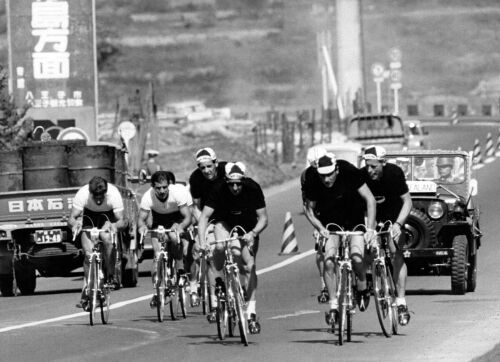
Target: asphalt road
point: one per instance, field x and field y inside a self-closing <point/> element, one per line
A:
<point x="47" y="326"/>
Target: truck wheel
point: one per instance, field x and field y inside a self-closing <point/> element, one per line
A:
<point x="472" y="273"/>
<point x="7" y="285"/>
<point x="459" y="265"/>
<point x="419" y="231"/>
<point x="25" y="277"/>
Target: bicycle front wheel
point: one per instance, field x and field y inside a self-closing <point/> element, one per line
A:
<point x="394" y="307"/>
<point x="160" y="288"/>
<point x="240" y="315"/>
<point x="343" y="304"/>
<point x="203" y="291"/>
<point x="182" y="300"/>
<point x="93" y="288"/>
<point x="221" y="317"/>
<point x="173" y="294"/>
<point x="383" y="302"/>
<point x="104" y="303"/>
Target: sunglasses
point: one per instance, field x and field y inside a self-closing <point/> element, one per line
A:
<point x="232" y="183"/>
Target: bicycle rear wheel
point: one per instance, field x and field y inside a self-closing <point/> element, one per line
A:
<point x="221" y="317"/>
<point x="343" y="304"/>
<point x="160" y="288"/>
<point x="240" y="315"/>
<point x="382" y="298"/>
<point x="93" y="287"/>
<point x="394" y="307"/>
<point x="104" y="303"/>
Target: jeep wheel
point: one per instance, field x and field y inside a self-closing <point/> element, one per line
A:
<point x="25" y="277"/>
<point x="472" y="273"/>
<point x="459" y="265"/>
<point x="419" y="231"/>
<point x="7" y="285"/>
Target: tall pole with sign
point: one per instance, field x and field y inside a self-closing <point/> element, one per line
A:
<point x="395" y="75"/>
<point x="378" y="71"/>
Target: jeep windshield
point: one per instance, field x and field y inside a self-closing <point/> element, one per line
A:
<point x="442" y="169"/>
<point x="376" y="127"/>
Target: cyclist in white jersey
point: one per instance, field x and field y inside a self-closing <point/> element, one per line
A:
<point x="168" y="206"/>
<point x="98" y="204"/>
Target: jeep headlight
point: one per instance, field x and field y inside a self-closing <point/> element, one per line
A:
<point x="435" y="210"/>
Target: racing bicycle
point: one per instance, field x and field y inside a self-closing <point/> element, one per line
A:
<point x="230" y="295"/>
<point x="345" y="278"/>
<point x="168" y="287"/>
<point x="384" y="291"/>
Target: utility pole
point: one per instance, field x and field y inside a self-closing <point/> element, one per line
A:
<point x="349" y="50"/>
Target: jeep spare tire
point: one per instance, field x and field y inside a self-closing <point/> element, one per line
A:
<point x="419" y="231"/>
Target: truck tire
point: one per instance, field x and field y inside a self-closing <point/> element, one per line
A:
<point x="25" y="277"/>
<point x="459" y="265"/>
<point x="419" y="231"/>
<point x="129" y="277"/>
<point x="472" y="273"/>
<point x="7" y="285"/>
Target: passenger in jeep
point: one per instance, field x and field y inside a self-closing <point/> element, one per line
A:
<point x="387" y="183"/>
<point x="98" y="204"/>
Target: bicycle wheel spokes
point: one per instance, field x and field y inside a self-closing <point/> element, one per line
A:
<point x="343" y="304"/>
<point x="160" y="289"/>
<point x="240" y="315"/>
<point x="221" y="317"/>
<point x="383" y="300"/>
<point x="182" y="300"/>
<point x="173" y="295"/>
<point x="393" y="306"/>
<point x="104" y="303"/>
<point x="93" y="287"/>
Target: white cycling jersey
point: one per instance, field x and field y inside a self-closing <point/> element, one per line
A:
<point x="178" y="196"/>
<point x="112" y="201"/>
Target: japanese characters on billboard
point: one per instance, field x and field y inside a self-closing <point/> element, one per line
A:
<point x="52" y="59"/>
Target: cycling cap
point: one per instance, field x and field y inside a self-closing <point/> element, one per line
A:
<point x="314" y="154"/>
<point x="152" y="152"/>
<point x="326" y="164"/>
<point x="235" y="171"/>
<point x="374" y="153"/>
<point x="205" y="154"/>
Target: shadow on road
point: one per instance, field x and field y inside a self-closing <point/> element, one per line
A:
<point x="428" y="291"/>
<point x="61" y="291"/>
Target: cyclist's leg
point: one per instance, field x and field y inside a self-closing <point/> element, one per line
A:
<point x="330" y="254"/>
<point x="248" y="267"/>
<point x="177" y="250"/>
<point x="359" y="266"/>
<point x="192" y="264"/>
<point x="400" y="275"/>
<point x="323" y="297"/>
<point x="87" y="250"/>
<point x="156" y="249"/>
<point x="109" y="255"/>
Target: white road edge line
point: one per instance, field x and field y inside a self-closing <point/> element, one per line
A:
<point x="145" y="297"/>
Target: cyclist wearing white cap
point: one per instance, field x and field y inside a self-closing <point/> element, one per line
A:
<point x="209" y="170"/>
<point x="387" y="182"/>
<point x="306" y="179"/>
<point x="341" y="196"/>
<point x="237" y="200"/>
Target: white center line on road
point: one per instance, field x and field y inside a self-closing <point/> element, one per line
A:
<point x="296" y="314"/>
<point x="145" y="297"/>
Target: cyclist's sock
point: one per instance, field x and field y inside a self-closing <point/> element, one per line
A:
<point x="334" y="303"/>
<point x="251" y="307"/>
<point x="193" y="285"/>
<point x="400" y="301"/>
<point x="323" y="285"/>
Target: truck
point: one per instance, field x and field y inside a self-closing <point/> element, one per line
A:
<point x="384" y="130"/>
<point x="37" y="184"/>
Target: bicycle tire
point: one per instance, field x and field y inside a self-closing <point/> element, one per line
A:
<point x="382" y="298"/>
<point x="203" y="291"/>
<point x="231" y="312"/>
<point x="160" y="289"/>
<point x="104" y="303"/>
<point x="182" y="300"/>
<point x="394" y="307"/>
<point x="343" y="305"/>
<point x="173" y="293"/>
<point x="221" y="318"/>
<point x="349" y="309"/>
<point x="240" y="314"/>
<point x="93" y="286"/>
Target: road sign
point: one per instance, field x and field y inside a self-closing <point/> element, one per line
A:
<point x="395" y="55"/>
<point x="396" y="85"/>
<point x="396" y="76"/>
<point x="378" y="70"/>
<point x="127" y="130"/>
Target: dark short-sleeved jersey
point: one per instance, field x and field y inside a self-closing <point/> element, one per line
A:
<point x="200" y="186"/>
<point x="388" y="191"/>
<point x="340" y="204"/>
<point x="237" y="209"/>
<point x="307" y="180"/>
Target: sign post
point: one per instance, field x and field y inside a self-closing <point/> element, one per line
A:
<point x="395" y="75"/>
<point x="378" y="77"/>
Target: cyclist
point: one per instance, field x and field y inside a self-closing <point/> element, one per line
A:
<point x="237" y="200"/>
<point x="98" y="204"/>
<point x="313" y="155"/>
<point x="339" y="195"/>
<point x="387" y="182"/>
<point x="209" y="170"/>
<point x="168" y="206"/>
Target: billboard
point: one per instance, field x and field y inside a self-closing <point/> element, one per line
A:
<point x="52" y="61"/>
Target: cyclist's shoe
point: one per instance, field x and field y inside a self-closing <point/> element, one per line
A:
<point x="331" y="317"/>
<point x="181" y="278"/>
<point x="323" y="297"/>
<point x="153" y="302"/>
<point x="82" y="303"/>
<point x="194" y="299"/>
<point x="211" y="316"/>
<point x="253" y="324"/>
<point x="403" y="315"/>
<point x="363" y="299"/>
<point x="112" y="283"/>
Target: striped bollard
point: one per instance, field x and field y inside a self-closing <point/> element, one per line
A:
<point x="497" y="152"/>
<point x="289" y="243"/>
<point x="477" y="158"/>
<point x="489" y="149"/>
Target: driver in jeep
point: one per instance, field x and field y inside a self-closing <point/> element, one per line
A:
<point x="387" y="183"/>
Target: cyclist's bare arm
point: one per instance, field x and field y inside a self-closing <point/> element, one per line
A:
<point x="262" y="220"/>
<point x="120" y="223"/>
<point x="371" y="206"/>
<point x="309" y="207"/>
<point x="186" y="221"/>
<point x="403" y="214"/>
<point x="75" y="218"/>
<point x="206" y="213"/>
<point x="142" y="221"/>
<point x="196" y="209"/>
